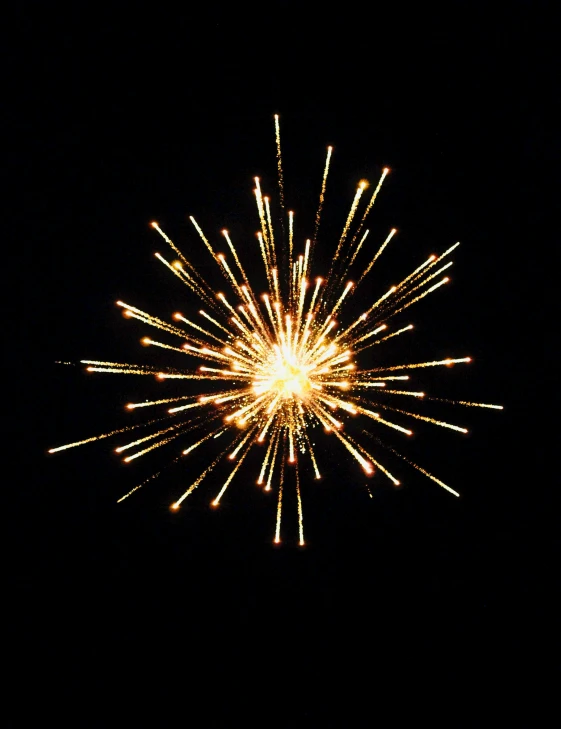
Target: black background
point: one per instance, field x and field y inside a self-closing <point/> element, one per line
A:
<point x="408" y="606"/>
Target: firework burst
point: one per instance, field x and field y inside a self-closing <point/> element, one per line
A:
<point x="272" y="366"/>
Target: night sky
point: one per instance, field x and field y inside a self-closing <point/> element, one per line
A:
<point x="410" y="606"/>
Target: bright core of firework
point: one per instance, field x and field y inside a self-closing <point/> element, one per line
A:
<point x="277" y="365"/>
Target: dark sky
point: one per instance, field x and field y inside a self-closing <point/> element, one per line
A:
<point x="116" y="119"/>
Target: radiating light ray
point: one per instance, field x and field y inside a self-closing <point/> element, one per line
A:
<point x="270" y="232"/>
<point x="384" y="339"/>
<point x="261" y="211"/>
<point x="385" y="471"/>
<point x="379" y="419"/>
<point x="193" y="278"/>
<point x="143" y="440"/>
<point x="354" y="451"/>
<point x="346" y="290"/>
<point x="433" y="478"/>
<point x="408" y="292"/>
<point x="172" y="245"/>
<point x="395" y="426"/>
<point x="147" y="403"/>
<point x="286" y="360"/>
<point x="369" y="334"/>
<point x="155" y="324"/>
<point x="362" y="185"/>
<point x="291" y="456"/>
<point x="151" y="447"/>
<point x="150" y="369"/>
<point x="231" y="476"/>
<point x="262" y="248"/>
<point x="228" y="273"/>
<point x="378" y="254"/>
<point x="234" y="453"/>
<point x="401" y="392"/>
<point x="265" y="462"/>
<point x="467" y="404"/>
<point x="322" y="193"/>
<point x="152" y="477"/>
<point x="109" y="434"/>
<point x="197" y="482"/>
<point x="213" y="434"/>
<point x="88" y="440"/>
<point x="430" y="260"/>
<point x="357" y="249"/>
<point x="132" y="311"/>
<point x="290" y="236"/>
<point x="193" y="274"/>
<point x="417" y="365"/>
<point x="376" y="304"/>
<point x="164" y="376"/>
<point x="234" y="253"/>
<point x="385" y="172"/>
<point x="186" y="279"/>
<point x="300" y="513"/>
<point x="279" y="161"/>
<point x="121" y="370"/>
<point x="216" y="323"/>
<point x="448" y="251"/>
<point x="389" y="377"/>
<point x="311" y="452"/>
<point x="376" y="463"/>
<point x="419" y="468"/>
<point x="273" y="460"/>
<point x="148" y="341"/>
<point x="279" y="498"/>
<point x="440" y="423"/>
<point x="421" y="296"/>
<point x="202" y="236"/>
<point x="186" y="407"/>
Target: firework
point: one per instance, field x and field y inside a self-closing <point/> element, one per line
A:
<point x="271" y="366"/>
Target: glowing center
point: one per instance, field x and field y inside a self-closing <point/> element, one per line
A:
<point x="291" y="380"/>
